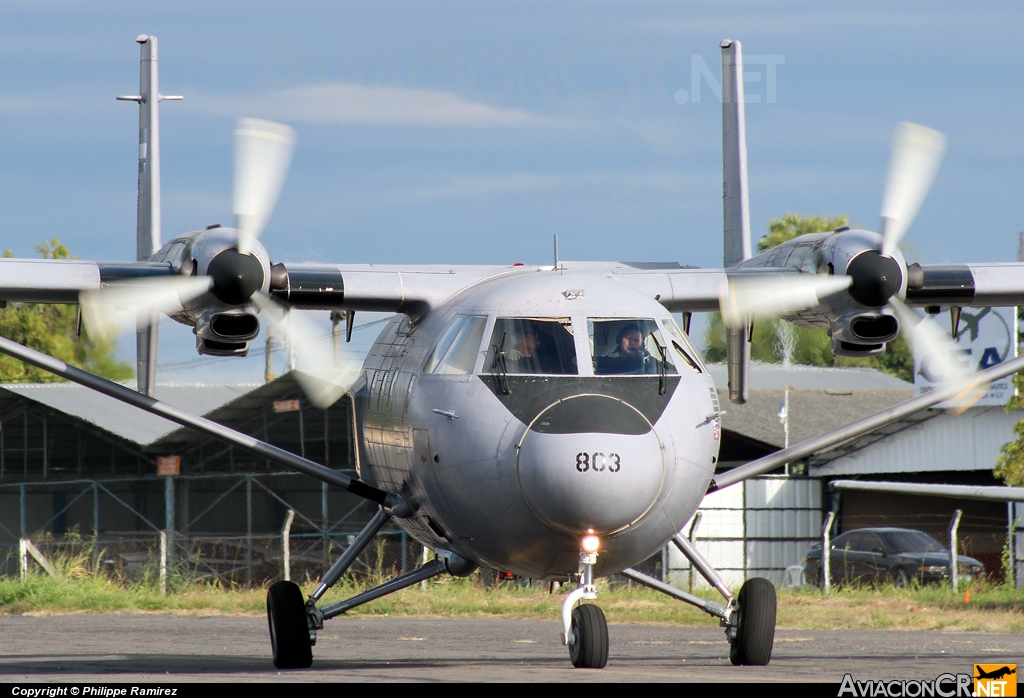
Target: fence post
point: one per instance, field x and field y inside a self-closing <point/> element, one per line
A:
<point x="327" y="525"/>
<point x="826" y="552"/>
<point x="286" y="547"/>
<point x="693" y="541"/>
<point x="22" y="559"/>
<point x="1011" y="548"/>
<point x="954" y="526"/>
<point x="163" y="563"/>
<point x="169" y="511"/>
<point x="405" y="551"/>
<point x="24" y="515"/>
<point x="95" y="528"/>
<point x="248" y="530"/>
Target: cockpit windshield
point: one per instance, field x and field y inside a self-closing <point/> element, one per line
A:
<point x="628" y="346"/>
<point x="531" y="345"/>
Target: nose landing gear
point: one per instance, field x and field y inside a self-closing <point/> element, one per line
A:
<point x="585" y="627"/>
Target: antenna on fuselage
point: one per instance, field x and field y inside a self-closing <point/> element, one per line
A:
<point x="147" y="236"/>
<point x="556" y="253"/>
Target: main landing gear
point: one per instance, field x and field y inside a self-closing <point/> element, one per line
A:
<point x="749" y="619"/>
<point x="294" y="622"/>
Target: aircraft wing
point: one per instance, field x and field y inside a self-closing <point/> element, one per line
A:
<point x="411" y="288"/>
<point x="967" y="285"/>
<point x="61" y="280"/>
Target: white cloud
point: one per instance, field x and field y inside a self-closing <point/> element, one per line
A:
<point x="27" y="104"/>
<point x="462" y="186"/>
<point x="374" y="105"/>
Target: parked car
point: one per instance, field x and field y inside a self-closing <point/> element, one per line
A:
<point x="882" y="555"/>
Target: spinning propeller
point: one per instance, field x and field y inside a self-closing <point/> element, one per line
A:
<point x="235" y="275"/>
<point x="873" y="277"/>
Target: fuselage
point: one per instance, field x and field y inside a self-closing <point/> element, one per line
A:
<point x="515" y="422"/>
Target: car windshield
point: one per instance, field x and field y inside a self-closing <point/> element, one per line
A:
<point x="910" y="542"/>
<point x="531" y="345"/>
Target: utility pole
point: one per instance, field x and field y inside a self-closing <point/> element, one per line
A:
<point x="147" y="226"/>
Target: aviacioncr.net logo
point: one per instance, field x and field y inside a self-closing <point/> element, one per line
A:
<point x="943" y="686"/>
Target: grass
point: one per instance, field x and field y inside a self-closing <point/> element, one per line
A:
<point x="992" y="608"/>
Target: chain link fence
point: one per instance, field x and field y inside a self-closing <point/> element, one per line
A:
<point x="763" y="527"/>
<point x="233" y="561"/>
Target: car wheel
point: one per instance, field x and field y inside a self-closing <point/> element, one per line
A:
<point x="900" y="580"/>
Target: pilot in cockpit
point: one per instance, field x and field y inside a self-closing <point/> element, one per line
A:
<point x="526" y="349"/>
<point x="630" y="354"/>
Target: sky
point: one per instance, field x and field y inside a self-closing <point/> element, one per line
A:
<point x="472" y="132"/>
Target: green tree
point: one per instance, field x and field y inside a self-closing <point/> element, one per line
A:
<point x="53" y="330"/>
<point x="813" y="346"/>
<point x="793" y="224"/>
<point x="1010" y="463"/>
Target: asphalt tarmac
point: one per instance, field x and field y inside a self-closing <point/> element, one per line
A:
<point x="155" y="648"/>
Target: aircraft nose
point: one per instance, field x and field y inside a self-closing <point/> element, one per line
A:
<point x="590" y="462"/>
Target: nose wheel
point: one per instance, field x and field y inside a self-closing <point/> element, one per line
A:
<point x="589" y="649"/>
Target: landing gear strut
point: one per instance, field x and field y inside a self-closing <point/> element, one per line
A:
<point x="749" y="621"/>
<point x="294" y="622"/>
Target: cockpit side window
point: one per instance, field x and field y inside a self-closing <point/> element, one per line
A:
<point x="682" y="347"/>
<point x="456" y="352"/>
<point x="628" y="346"/>
<point x="531" y="346"/>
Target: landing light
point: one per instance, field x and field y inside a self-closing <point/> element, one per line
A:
<point x="590" y="543"/>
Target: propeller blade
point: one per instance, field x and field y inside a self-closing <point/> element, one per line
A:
<point x="945" y="361"/>
<point x="110" y="310"/>
<point x="916" y="154"/>
<point x="743" y="300"/>
<point x="322" y="379"/>
<point x="263" y="152"/>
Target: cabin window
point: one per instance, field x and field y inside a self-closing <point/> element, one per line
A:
<point x="628" y="346"/>
<point x="456" y="352"/>
<point x="531" y="346"/>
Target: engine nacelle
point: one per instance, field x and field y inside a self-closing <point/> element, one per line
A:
<point x="859" y="319"/>
<point x="224" y="320"/>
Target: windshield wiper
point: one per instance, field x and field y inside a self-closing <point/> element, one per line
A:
<point x="662" y="368"/>
<point x="499" y="364"/>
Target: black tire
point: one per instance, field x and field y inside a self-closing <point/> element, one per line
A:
<point x="289" y="631"/>
<point x="589" y="627"/>
<point x="756" y="624"/>
<point x="900" y="579"/>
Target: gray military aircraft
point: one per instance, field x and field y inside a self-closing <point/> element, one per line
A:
<point x="554" y="421"/>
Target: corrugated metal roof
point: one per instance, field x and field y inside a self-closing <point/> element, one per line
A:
<point x="121" y="419"/>
<point x="947" y="442"/>
<point x="811" y="412"/>
<point x="235" y="408"/>
<point x="776" y="377"/>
